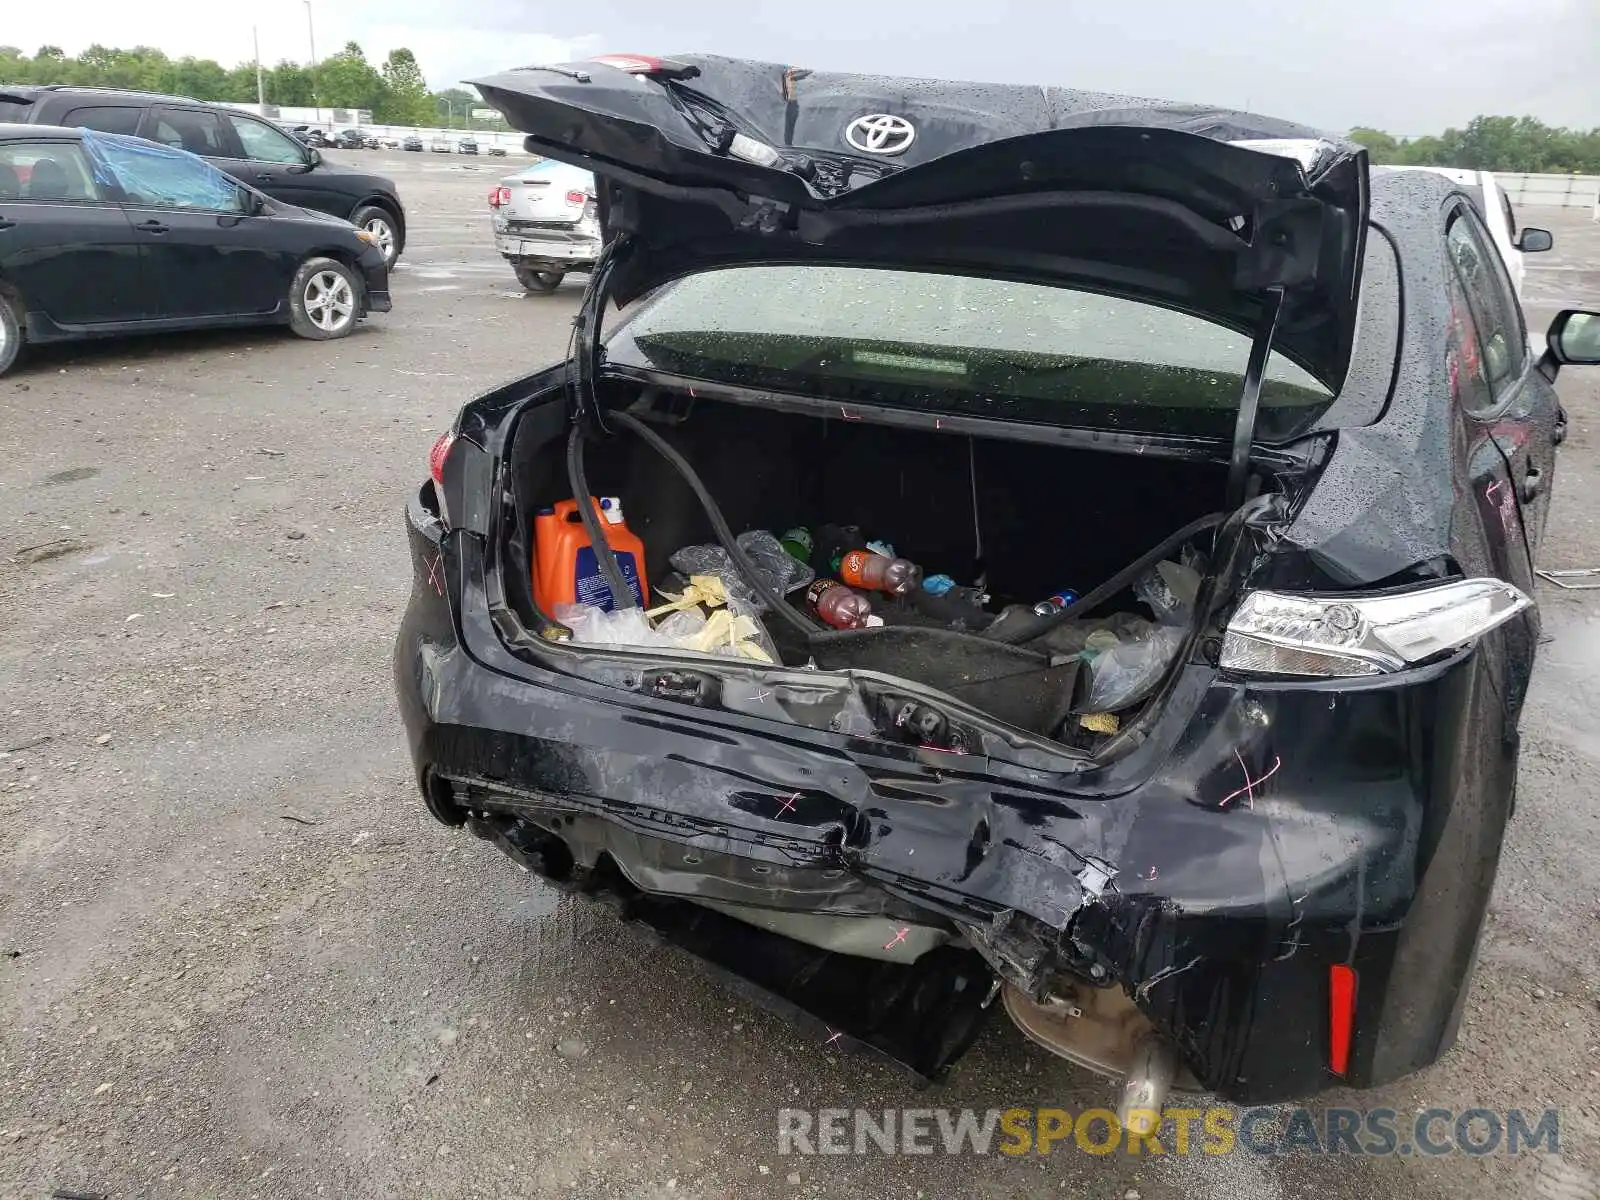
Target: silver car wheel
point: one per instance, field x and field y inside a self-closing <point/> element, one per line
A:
<point x="330" y="301"/>
<point x="383" y="234"/>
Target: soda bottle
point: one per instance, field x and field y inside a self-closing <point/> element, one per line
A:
<point x="832" y="543"/>
<point x="797" y="544"/>
<point x="879" y="572"/>
<point x="838" y="605"/>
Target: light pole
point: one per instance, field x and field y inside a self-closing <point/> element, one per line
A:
<point x="261" y="88"/>
<point x="311" y="33"/>
<point x="449" y="106"/>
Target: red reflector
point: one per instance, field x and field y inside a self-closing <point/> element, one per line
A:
<point x="576" y="199"/>
<point x="1341" y="1016"/>
<point x="436" y="457"/>
<point x="634" y="64"/>
<point x="499" y="196"/>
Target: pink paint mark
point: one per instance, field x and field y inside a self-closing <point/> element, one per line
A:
<point x="786" y="804"/>
<point x="1491" y="489"/>
<point x="833" y="1037"/>
<point x="1153" y="873"/>
<point x="897" y="938"/>
<point x="938" y="422"/>
<point x="847" y="415"/>
<point x="1249" y="789"/>
<point x="436" y="573"/>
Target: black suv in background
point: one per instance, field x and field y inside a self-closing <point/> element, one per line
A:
<point x="245" y="146"/>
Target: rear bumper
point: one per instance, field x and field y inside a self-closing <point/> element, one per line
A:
<point x="1265" y="835"/>
<point x="556" y="248"/>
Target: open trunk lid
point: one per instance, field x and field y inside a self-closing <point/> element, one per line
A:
<point x="712" y="162"/>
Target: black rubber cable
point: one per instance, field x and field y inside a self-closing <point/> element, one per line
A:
<point x="1034" y="625"/>
<point x="621" y="593"/>
<point x="725" y="537"/>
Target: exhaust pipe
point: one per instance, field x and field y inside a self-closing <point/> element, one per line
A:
<point x="1102" y="1029"/>
<point x="1145" y="1086"/>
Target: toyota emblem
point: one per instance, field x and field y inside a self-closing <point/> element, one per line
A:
<point x="880" y="133"/>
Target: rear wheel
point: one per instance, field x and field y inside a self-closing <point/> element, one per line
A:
<point x="539" y="281"/>
<point x="323" y="300"/>
<point x="385" y="230"/>
<point x="10" y="333"/>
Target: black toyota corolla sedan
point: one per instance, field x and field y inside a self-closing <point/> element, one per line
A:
<point x="103" y="235"/>
<point x="1223" y="463"/>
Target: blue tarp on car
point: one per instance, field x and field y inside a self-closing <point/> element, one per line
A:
<point x="149" y="173"/>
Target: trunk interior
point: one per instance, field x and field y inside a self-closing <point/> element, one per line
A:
<point x="1031" y="519"/>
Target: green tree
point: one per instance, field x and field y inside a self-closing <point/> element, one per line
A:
<point x="289" y="84"/>
<point x="405" y="100"/>
<point x="347" y="80"/>
<point x="202" y="79"/>
<point x="1379" y="144"/>
<point x="241" y="83"/>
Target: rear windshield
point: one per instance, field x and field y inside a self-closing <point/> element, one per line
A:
<point x="973" y="346"/>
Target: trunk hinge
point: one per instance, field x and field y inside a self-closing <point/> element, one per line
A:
<point x="1244" y="428"/>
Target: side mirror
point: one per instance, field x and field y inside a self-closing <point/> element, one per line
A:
<point x="1534" y="241"/>
<point x="1575" y="338"/>
<point x="1573" y="341"/>
<point x="314" y="159"/>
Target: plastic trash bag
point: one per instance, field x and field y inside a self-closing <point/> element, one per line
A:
<point x="1127" y="664"/>
<point x="733" y="631"/>
<point x="778" y="570"/>
<point x="1170" y="589"/>
<point x="596" y="627"/>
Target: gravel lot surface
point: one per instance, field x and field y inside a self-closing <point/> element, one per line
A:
<point x="238" y="959"/>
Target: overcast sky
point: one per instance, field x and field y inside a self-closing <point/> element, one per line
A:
<point x="1409" y="66"/>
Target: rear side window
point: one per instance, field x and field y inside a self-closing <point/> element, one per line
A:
<point x="189" y="129"/>
<point x="1489" y="296"/>
<point x="48" y="171"/>
<point x="105" y="118"/>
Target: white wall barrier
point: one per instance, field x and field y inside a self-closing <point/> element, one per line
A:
<point x="1552" y="191"/>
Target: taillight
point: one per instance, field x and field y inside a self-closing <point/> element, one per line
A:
<point x="576" y="199"/>
<point x="500" y="196"/>
<point x="1341" y="1016"/>
<point x="436" y="461"/>
<point x="1276" y="633"/>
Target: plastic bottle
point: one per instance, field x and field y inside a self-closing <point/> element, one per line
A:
<point x="797" y="544"/>
<point x="838" y="605"/>
<point x="832" y="543"/>
<point x="566" y="569"/>
<point x="879" y="572"/>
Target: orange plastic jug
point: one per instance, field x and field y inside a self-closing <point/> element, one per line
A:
<point x="566" y="569"/>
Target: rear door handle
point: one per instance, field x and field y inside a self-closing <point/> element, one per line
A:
<point x="152" y="227"/>
<point x="265" y="176"/>
<point x="1532" y="483"/>
<point x="1560" y="433"/>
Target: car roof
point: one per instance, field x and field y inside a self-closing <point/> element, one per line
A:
<point x="38" y="91"/>
<point x="12" y="129"/>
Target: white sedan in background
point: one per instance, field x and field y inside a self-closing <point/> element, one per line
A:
<point x="545" y="222"/>
<point x="1495" y="208"/>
